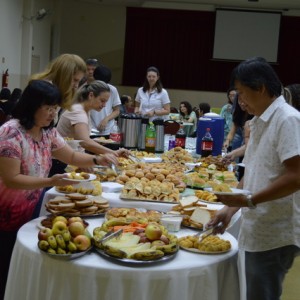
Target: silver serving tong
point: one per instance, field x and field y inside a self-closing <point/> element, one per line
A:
<point x="207" y="232"/>
<point x="110" y="235"/>
<point x="115" y="169"/>
<point x="134" y="158"/>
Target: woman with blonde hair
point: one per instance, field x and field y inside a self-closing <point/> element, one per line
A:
<point x="65" y="71"/>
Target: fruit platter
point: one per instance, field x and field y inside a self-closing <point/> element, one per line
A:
<point x="141" y="242"/>
<point x="64" y="238"/>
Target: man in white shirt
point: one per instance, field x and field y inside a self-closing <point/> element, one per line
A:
<point x="103" y="121"/>
<point x="270" y="222"/>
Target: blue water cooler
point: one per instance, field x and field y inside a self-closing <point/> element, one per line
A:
<point x="216" y="125"/>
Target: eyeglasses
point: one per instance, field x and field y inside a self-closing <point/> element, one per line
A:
<point x="50" y="109"/>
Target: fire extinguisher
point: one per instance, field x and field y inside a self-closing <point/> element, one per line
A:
<point x="5" y="79"/>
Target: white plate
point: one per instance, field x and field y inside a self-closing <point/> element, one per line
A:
<point x="109" y="187"/>
<point x="191" y="166"/>
<point x="234" y="192"/>
<point x="152" y="159"/>
<point x="194" y="250"/>
<point x="92" y="177"/>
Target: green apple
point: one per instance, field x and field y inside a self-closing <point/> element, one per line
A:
<point x="60" y="218"/>
<point x="44" y="234"/>
<point x="43" y="245"/>
<point x="52" y="242"/>
<point x="76" y="228"/>
<point x="72" y="247"/>
<point x="61" y="251"/>
<point x="51" y="251"/>
<point x="153" y="232"/>
<point x="59" y="227"/>
<point x="60" y="241"/>
<point x="66" y="235"/>
<point x="82" y="242"/>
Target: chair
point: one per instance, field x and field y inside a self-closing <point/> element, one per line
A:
<point x="171" y="127"/>
<point x="3" y="117"/>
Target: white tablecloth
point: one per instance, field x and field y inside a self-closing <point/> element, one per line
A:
<point x="34" y="275"/>
<point x="115" y="201"/>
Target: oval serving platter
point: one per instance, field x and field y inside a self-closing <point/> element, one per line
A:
<point x="135" y="262"/>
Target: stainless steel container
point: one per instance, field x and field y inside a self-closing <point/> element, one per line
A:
<point x="131" y="126"/>
<point x="142" y="136"/>
<point x="160" y="134"/>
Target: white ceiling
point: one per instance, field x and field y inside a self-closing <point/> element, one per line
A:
<point x="260" y="4"/>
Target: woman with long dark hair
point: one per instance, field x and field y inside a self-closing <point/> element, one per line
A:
<point x="152" y="100"/>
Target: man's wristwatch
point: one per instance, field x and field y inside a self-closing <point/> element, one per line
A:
<point x="251" y="205"/>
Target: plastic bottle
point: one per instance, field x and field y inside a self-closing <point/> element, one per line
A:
<point x="207" y="144"/>
<point x="180" y="137"/>
<point x="116" y="134"/>
<point x="150" y="138"/>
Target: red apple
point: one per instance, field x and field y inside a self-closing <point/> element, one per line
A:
<point x="60" y="218"/>
<point x="44" y="234"/>
<point x="82" y="242"/>
<point x="75" y="219"/>
<point x="153" y="232"/>
<point x="59" y="227"/>
<point x="76" y="228"/>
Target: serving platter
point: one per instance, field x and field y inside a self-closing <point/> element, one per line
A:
<point x="148" y="200"/>
<point x="135" y="262"/>
<point x="70" y="256"/>
<point x="194" y="250"/>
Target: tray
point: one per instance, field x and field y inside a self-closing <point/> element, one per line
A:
<point x="149" y="200"/>
<point x="135" y="262"/>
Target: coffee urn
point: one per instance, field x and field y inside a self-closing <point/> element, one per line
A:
<point x="160" y="135"/>
<point x="142" y="136"/>
<point x="130" y="128"/>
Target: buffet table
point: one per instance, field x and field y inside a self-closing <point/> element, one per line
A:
<point x="115" y="201"/>
<point x="35" y="275"/>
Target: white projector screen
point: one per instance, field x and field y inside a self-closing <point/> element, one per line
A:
<point x="243" y="34"/>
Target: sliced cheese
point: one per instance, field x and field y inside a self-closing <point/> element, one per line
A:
<point x="201" y="215"/>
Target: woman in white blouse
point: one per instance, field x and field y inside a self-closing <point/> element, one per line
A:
<point x="152" y="100"/>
